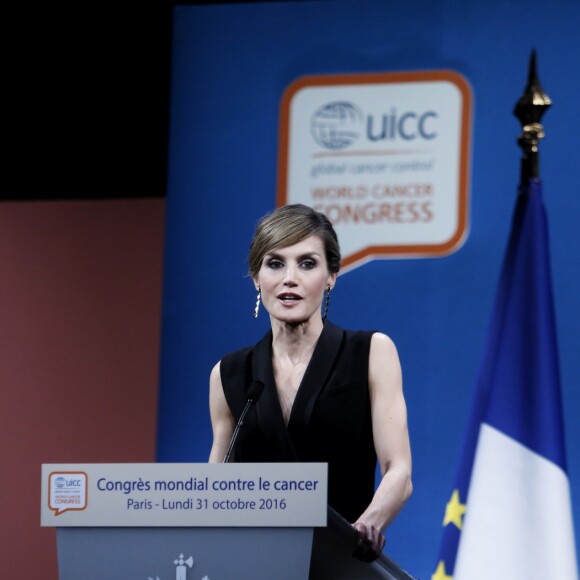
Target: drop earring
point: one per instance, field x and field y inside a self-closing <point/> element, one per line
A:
<point x="326" y="301"/>
<point x="257" y="309"/>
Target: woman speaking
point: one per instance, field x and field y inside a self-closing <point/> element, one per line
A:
<point x="327" y="394"/>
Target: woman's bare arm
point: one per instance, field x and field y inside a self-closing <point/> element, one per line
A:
<point x="391" y="438"/>
<point x="222" y="420"/>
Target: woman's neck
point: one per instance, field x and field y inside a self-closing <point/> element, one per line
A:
<point x="295" y="341"/>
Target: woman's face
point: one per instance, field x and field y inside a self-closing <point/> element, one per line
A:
<point x="292" y="280"/>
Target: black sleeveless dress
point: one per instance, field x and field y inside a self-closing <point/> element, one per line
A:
<point x="330" y="419"/>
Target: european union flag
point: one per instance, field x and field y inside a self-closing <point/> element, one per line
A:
<point x="509" y="515"/>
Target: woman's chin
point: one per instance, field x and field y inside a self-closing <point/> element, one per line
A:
<point x="294" y="318"/>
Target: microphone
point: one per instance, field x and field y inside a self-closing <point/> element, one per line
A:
<point x="252" y="397"/>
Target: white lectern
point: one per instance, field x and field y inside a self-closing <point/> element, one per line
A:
<point x="200" y="522"/>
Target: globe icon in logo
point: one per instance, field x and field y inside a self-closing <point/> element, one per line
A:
<point x="336" y="125"/>
<point x="60" y="482"/>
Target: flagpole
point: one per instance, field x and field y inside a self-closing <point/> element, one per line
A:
<point x="509" y="514"/>
<point x="529" y="110"/>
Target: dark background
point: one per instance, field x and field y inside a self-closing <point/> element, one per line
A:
<point x="85" y="98"/>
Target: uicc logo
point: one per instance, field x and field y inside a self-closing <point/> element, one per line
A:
<point x="385" y="156"/>
<point x="339" y="124"/>
<point x="336" y="125"/>
<point x="67" y="491"/>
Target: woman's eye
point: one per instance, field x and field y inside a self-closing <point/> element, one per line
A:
<point x="274" y="264"/>
<point x="308" y="264"/>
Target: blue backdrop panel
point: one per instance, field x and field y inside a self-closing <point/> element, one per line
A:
<point x="231" y="65"/>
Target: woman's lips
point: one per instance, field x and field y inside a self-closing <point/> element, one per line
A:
<point x="289" y="297"/>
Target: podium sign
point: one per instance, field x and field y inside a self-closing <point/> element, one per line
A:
<point x="184" y="521"/>
<point x="185" y="495"/>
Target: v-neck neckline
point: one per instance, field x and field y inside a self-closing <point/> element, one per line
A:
<point x="269" y="409"/>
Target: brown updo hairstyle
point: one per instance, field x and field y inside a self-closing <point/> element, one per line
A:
<point x="287" y="226"/>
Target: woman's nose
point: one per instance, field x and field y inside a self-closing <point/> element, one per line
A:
<point x="290" y="276"/>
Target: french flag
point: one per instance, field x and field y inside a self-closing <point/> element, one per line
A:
<point x="509" y="515"/>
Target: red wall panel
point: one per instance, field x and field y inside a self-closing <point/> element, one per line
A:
<point x="80" y="293"/>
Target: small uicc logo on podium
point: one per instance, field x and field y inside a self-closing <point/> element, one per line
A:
<point x="181" y="567"/>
